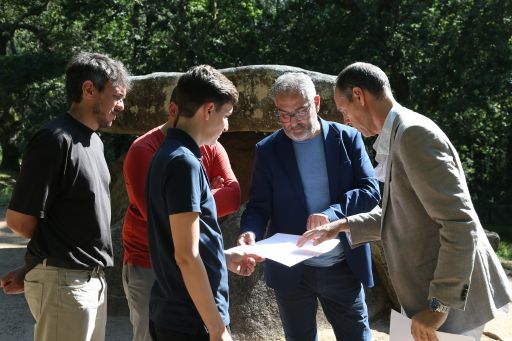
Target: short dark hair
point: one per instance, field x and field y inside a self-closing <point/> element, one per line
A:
<point x="96" y="67"/>
<point x="202" y="84"/>
<point x="173" y="95"/>
<point x="365" y="76"/>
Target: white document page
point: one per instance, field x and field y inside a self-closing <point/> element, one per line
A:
<point x="400" y="330"/>
<point x="282" y="248"/>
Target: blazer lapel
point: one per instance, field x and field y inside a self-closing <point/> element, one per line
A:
<point x="332" y="149"/>
<point x="286" y="157"/>
<point x="387" y="180"/>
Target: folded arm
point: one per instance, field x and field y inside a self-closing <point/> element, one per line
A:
<point x="135" y="169"/>
<point x="225" y="186"/>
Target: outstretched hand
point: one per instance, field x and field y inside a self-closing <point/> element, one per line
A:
<point x="322" y="233"/>
<point x="241" y="262"/>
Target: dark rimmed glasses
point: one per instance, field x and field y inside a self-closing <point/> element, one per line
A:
<point x="285" y="117"/>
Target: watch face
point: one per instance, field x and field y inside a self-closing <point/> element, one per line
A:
<point x="435" y="304"/>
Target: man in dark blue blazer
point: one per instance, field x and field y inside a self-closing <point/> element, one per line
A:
<point x="307" y="174"/>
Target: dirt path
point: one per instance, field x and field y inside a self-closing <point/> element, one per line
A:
<point x="16" y="323"/>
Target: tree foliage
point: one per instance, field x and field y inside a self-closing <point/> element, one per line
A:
<point x="448" y="59"/>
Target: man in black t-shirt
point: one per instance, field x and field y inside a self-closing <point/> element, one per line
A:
<point x="61" y="202"/>
<point x="189" y="299"/>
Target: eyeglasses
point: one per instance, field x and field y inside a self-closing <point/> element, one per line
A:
<point x="285" y="117"/>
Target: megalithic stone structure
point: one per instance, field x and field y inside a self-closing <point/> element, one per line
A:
<point x="253" y="310"/>
<point x="147" y="103"/>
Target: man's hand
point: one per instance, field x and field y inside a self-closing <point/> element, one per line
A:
<point x="315" y="220"/>
<point x="13" y="281"/>
<point x="217" y="182"/>
<point x="246" y="238"/>
<point x="425" y="323"/>
<point x="241" y="262"/>
<point x="324" y="232"/>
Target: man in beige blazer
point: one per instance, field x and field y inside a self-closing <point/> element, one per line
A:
<point x="443" y="269"/>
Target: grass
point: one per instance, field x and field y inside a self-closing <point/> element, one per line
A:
<point x="505" y="254"/>
<point x="505" y="248"/>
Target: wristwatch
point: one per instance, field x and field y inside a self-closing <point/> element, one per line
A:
<point x="436" y="305"/>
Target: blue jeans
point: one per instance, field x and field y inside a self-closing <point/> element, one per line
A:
<point x="342" y="298"/>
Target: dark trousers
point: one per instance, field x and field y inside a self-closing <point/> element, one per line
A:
<point x="163" y="334"/>
<point x="342" y="298"/>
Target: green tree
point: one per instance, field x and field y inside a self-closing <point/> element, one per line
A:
<point x="16" y="17"/>
<point x="448" y="59"/>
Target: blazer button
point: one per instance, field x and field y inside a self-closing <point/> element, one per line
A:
<point x="464" y="293"/>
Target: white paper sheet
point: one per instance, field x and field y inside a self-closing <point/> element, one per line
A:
<point x="282" y="248"/>
<point x="400" y="330"/>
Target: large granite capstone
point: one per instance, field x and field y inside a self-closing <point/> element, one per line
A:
<point x="147" y="103"/>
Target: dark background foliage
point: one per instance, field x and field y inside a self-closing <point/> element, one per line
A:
<point x="450" y="60"/>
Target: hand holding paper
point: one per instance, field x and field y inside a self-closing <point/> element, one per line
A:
<point x="426" y="322"/>
<point x="241" y="261"/>
<point x="283" y="248"/>
<point x="400" y="330"/>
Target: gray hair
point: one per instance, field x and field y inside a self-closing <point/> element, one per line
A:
<point x="294" y="82"/>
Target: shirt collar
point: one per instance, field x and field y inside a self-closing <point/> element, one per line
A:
<point x="381" y="145"/>
<point x="186" y="139"/>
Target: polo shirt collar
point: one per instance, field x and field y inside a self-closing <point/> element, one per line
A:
<point x="176" y="134"/>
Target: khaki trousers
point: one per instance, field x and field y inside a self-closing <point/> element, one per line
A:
<point x="67" y="304"/>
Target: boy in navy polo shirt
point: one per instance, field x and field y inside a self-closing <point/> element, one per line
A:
<point x="189" y="300"/>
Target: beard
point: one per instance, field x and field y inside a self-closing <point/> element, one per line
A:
<point x="102" y="118"/>
<point x="305" y="132"/>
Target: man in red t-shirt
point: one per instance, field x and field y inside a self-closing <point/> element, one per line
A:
<point x="137" y="273"/>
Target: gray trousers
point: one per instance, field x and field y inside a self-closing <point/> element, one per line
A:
<point x="137" y="283"/>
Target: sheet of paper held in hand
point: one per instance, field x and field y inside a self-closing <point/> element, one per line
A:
<point x="400" y="330"/>
<point x="282" y="248"/>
